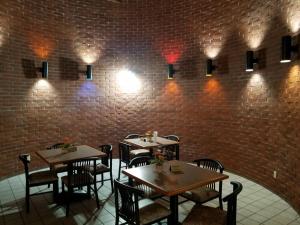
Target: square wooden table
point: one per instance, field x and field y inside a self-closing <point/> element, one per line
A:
<point x="60" y="155"/>
<point x="162" y="180"/>
<point x="160" y="141"/>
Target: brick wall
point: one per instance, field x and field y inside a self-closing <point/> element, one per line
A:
<point x="249" y="121"/>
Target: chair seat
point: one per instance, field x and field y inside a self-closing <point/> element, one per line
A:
<point x="42" y="177"/>
<point x="141" y="151"/>
<point x="60" y="168"/>
<point x="151" y="211"/>
<point x="148" y="191"/>
<point x="77" y="180"/>
<point x="201" y="195"/>
<point x="204" y="215"/>
<point x="100" y="168"/>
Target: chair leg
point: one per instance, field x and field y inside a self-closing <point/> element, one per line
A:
<point x="120" y="162"/>
<point x="55" y="190"/>
<point x="102" y="178"/>
<point x="96" y="195"/>
<point x="221" y="202"/>
<point x="111" y="181"/>
<point x="117" y="219"/>
<point x="89" y="190"/>
<point x="70" y="190"/>
<point x="27" y="199"/>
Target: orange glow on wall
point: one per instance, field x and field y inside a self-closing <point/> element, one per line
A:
<point x="212" y="86"/>
<point x="171" y="50"/>
<point x="172" y="88"/>
<point x="42" y="46"/>
<point x="291" y="83"/>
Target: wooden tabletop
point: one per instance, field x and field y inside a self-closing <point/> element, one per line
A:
<point x="160" y="141"/>
<point x="56" y="156"/>
<point x="168" y="183"/>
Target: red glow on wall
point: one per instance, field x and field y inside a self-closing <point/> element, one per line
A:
<point x="41" y="45"/>
<point x="171" y="50"/>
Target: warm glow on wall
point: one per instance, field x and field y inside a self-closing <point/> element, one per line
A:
<point x="255" y="24"/>
<point x="1" y="36"/>
<point x="128" y="82"/>
<point x="212" y="51"/>
<point x="255" y="94"/>
<point x="41" y="45"/>
<point x="212" y="86"/>
<point x="291" y="14"/>
<point x="3" y="29"/>
<point x="89" y="54"/>
<point x="172" y="88"/>
<point x="212" y="42"/>
<point x="41" y="84"/>
<point x="291" y="83"/>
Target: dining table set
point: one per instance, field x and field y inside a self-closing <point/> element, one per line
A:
<point x="170" y="178"/>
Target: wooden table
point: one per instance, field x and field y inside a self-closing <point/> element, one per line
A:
<point x="160" y="141"/>
<point x="59" y="155"/>
<point x="172" y="184"/>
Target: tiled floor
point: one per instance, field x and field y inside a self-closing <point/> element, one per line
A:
<point x="256" y="205"/>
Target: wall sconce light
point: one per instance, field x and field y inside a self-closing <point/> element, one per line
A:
<point x="287" y="48"/>
<point x="210" y="67"/>
<point x="171" y="71"/>
<point x="250" y="61"/>
<point x="89" y="72"/>
<point x="44" y="69"/>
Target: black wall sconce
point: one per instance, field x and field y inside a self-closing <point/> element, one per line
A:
<point x="210" y="67"/>
<point x="89" y="72"/>
<point x="250" y="61"/>
<point x="44" y="69"/>
<point x="171" y="71"/>
<point x="287" y="48"/>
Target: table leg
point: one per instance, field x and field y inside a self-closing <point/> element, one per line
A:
<point x="173" y="220"/>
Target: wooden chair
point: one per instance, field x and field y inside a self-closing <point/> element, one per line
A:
<point x="171" y="151"/>
<point x="79" y="175"/>
<point x="209" y="192"/>
<point x="135" y="212"/>
<point x="132" y="136"/>
<point x="148" y="191"/>
<point x="58" y="168"/>
<point x="104" y="167"/>
<point x="126" y="154"/>
<point x="37" y="179"/>
<point x="204" y="215"/>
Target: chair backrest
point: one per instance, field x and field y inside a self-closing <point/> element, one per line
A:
<point x="171" y="149"/>
<point x="140" y="161"/>
<point x="55" y="146"/>
<point x="126" y="202"/>
<point x="213" y="165"/>
<point x="124" y="152"/>
<point x="79" y="172"/>
<point x="131" y="136"/>
<point x="25" y="159"/>
<point x="172" y="137"/>
<point x="106" y="160"/>
<point x="231" y="200"/>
